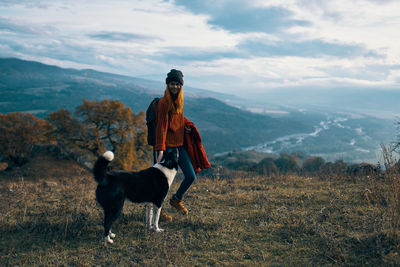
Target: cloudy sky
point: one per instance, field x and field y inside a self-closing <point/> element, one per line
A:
<point x="231" y="46"/>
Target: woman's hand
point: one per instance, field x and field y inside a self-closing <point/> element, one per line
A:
<point x="160" y="155"/>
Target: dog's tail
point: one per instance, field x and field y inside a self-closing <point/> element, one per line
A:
<point x="100" y="167"/>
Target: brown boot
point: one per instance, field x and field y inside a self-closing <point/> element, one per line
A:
<point x="164" y="216"/>
<point x="177" y="204"/>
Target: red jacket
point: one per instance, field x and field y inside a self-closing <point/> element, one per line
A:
<point x="195" y="149"/>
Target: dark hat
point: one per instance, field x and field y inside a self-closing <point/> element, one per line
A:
<point x="174" y="76"/>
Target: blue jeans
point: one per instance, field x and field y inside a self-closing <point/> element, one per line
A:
<point x="186" y="166"/>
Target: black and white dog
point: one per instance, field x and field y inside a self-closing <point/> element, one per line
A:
<point x="147" y="186"/>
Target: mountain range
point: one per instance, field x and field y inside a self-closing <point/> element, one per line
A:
<point x="226" y="122"/>
<point x="27" y="86"/>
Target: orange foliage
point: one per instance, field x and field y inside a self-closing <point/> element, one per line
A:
<point x="101" y="126"/>
<point x="19" y="133"/>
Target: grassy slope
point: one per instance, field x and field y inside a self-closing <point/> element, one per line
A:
<point x="249" y="221"/>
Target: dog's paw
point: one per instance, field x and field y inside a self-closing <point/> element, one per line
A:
<point x="108" y="240"/>
<point x="158" y="230"/>
<point x="112" y="235"/>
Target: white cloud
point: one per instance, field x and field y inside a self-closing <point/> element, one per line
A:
<point x="373" y="24"/>
<point x="63" y="33"/>
<point x="279" y="72"/>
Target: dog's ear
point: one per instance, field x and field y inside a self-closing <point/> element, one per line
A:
<point x="173" y="164"/>
<point x="171" y="159"/>
<point x="173" y="153"/>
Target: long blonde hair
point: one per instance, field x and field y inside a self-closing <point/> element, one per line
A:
<point x="176" y="106"/>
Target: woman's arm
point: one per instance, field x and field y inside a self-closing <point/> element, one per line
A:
<point x="160" y="155"/>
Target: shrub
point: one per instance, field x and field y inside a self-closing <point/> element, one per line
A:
<point x="362" y="169"/>
<point x="337" y="168"/>
<point x="287" y="164"/>
<point x="313" y="165"/>
<point x="239" y="165"/>
<point x="266" y="167"/>
<point x="384" y="193"/>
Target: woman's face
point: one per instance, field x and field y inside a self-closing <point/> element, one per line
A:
<point x="174" y="87"/>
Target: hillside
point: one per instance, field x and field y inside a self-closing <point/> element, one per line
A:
<point x="40" y="88"/>
<point x="242" y="220"/>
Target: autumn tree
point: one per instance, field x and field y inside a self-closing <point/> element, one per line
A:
<point x="69" y="133"/>
<point x="19" y="133"/>
<point x="100" y="126"/>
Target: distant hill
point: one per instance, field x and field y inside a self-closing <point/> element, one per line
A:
<point x="42" y="88"/>
<point x="37" y="88"/>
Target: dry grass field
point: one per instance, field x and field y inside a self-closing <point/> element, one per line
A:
<point x="51" y="218"/>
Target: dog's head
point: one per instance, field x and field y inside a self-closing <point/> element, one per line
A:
<point x="170" y="159"/>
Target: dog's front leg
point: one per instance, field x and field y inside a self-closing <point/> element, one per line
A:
<point x="149" y="215"/>
<point x="156" y="218"/>
<point x="108" y="238"/>
<point x="112" y="235"/>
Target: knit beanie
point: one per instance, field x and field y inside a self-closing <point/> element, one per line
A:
<point x="174" y="76"/>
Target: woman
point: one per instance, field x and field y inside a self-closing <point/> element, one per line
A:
<point x="170" y="133"/>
